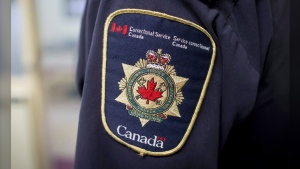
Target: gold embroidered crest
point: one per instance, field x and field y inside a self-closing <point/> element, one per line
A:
<point x="151" y="90"/>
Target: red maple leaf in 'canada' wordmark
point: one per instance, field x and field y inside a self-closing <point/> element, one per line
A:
<point x="150" y="93"/>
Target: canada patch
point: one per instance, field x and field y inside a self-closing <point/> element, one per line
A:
<point x="155" y="72"/>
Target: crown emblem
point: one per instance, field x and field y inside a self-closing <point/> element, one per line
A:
<point x="157" y="60"/>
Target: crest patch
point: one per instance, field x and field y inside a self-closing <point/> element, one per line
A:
<point x="156" y="69"/>
<point x="151" y="90"/>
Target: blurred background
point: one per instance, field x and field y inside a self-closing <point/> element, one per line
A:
<point x="4" y="84"/>
<point x="44" y="100"/>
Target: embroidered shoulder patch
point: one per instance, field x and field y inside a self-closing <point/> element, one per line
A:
<point x="156" y="69"/>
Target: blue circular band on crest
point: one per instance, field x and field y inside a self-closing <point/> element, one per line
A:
<point x="165" y="76"/>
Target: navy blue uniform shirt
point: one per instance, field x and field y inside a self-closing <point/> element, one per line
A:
<point x="133" y="103"/>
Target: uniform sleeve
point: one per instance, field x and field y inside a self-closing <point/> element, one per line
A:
<point x="86" y="35"/>
<point x="260" y="141"/>
<point x="112" y="41"/>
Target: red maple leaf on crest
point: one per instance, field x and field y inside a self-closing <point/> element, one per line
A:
<point x="150" y="93"/>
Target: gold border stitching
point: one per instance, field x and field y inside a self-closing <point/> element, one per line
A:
<point x="172" y="18"/>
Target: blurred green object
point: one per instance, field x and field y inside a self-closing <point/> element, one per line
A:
<point x="5" y="84"/>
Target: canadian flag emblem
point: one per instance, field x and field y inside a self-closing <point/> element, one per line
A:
<point x="118" y="28"/>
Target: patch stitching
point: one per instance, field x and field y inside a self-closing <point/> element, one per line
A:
<point x="141" y="151"/>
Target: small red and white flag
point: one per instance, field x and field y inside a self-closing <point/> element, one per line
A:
<point x="119" y="28"/>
